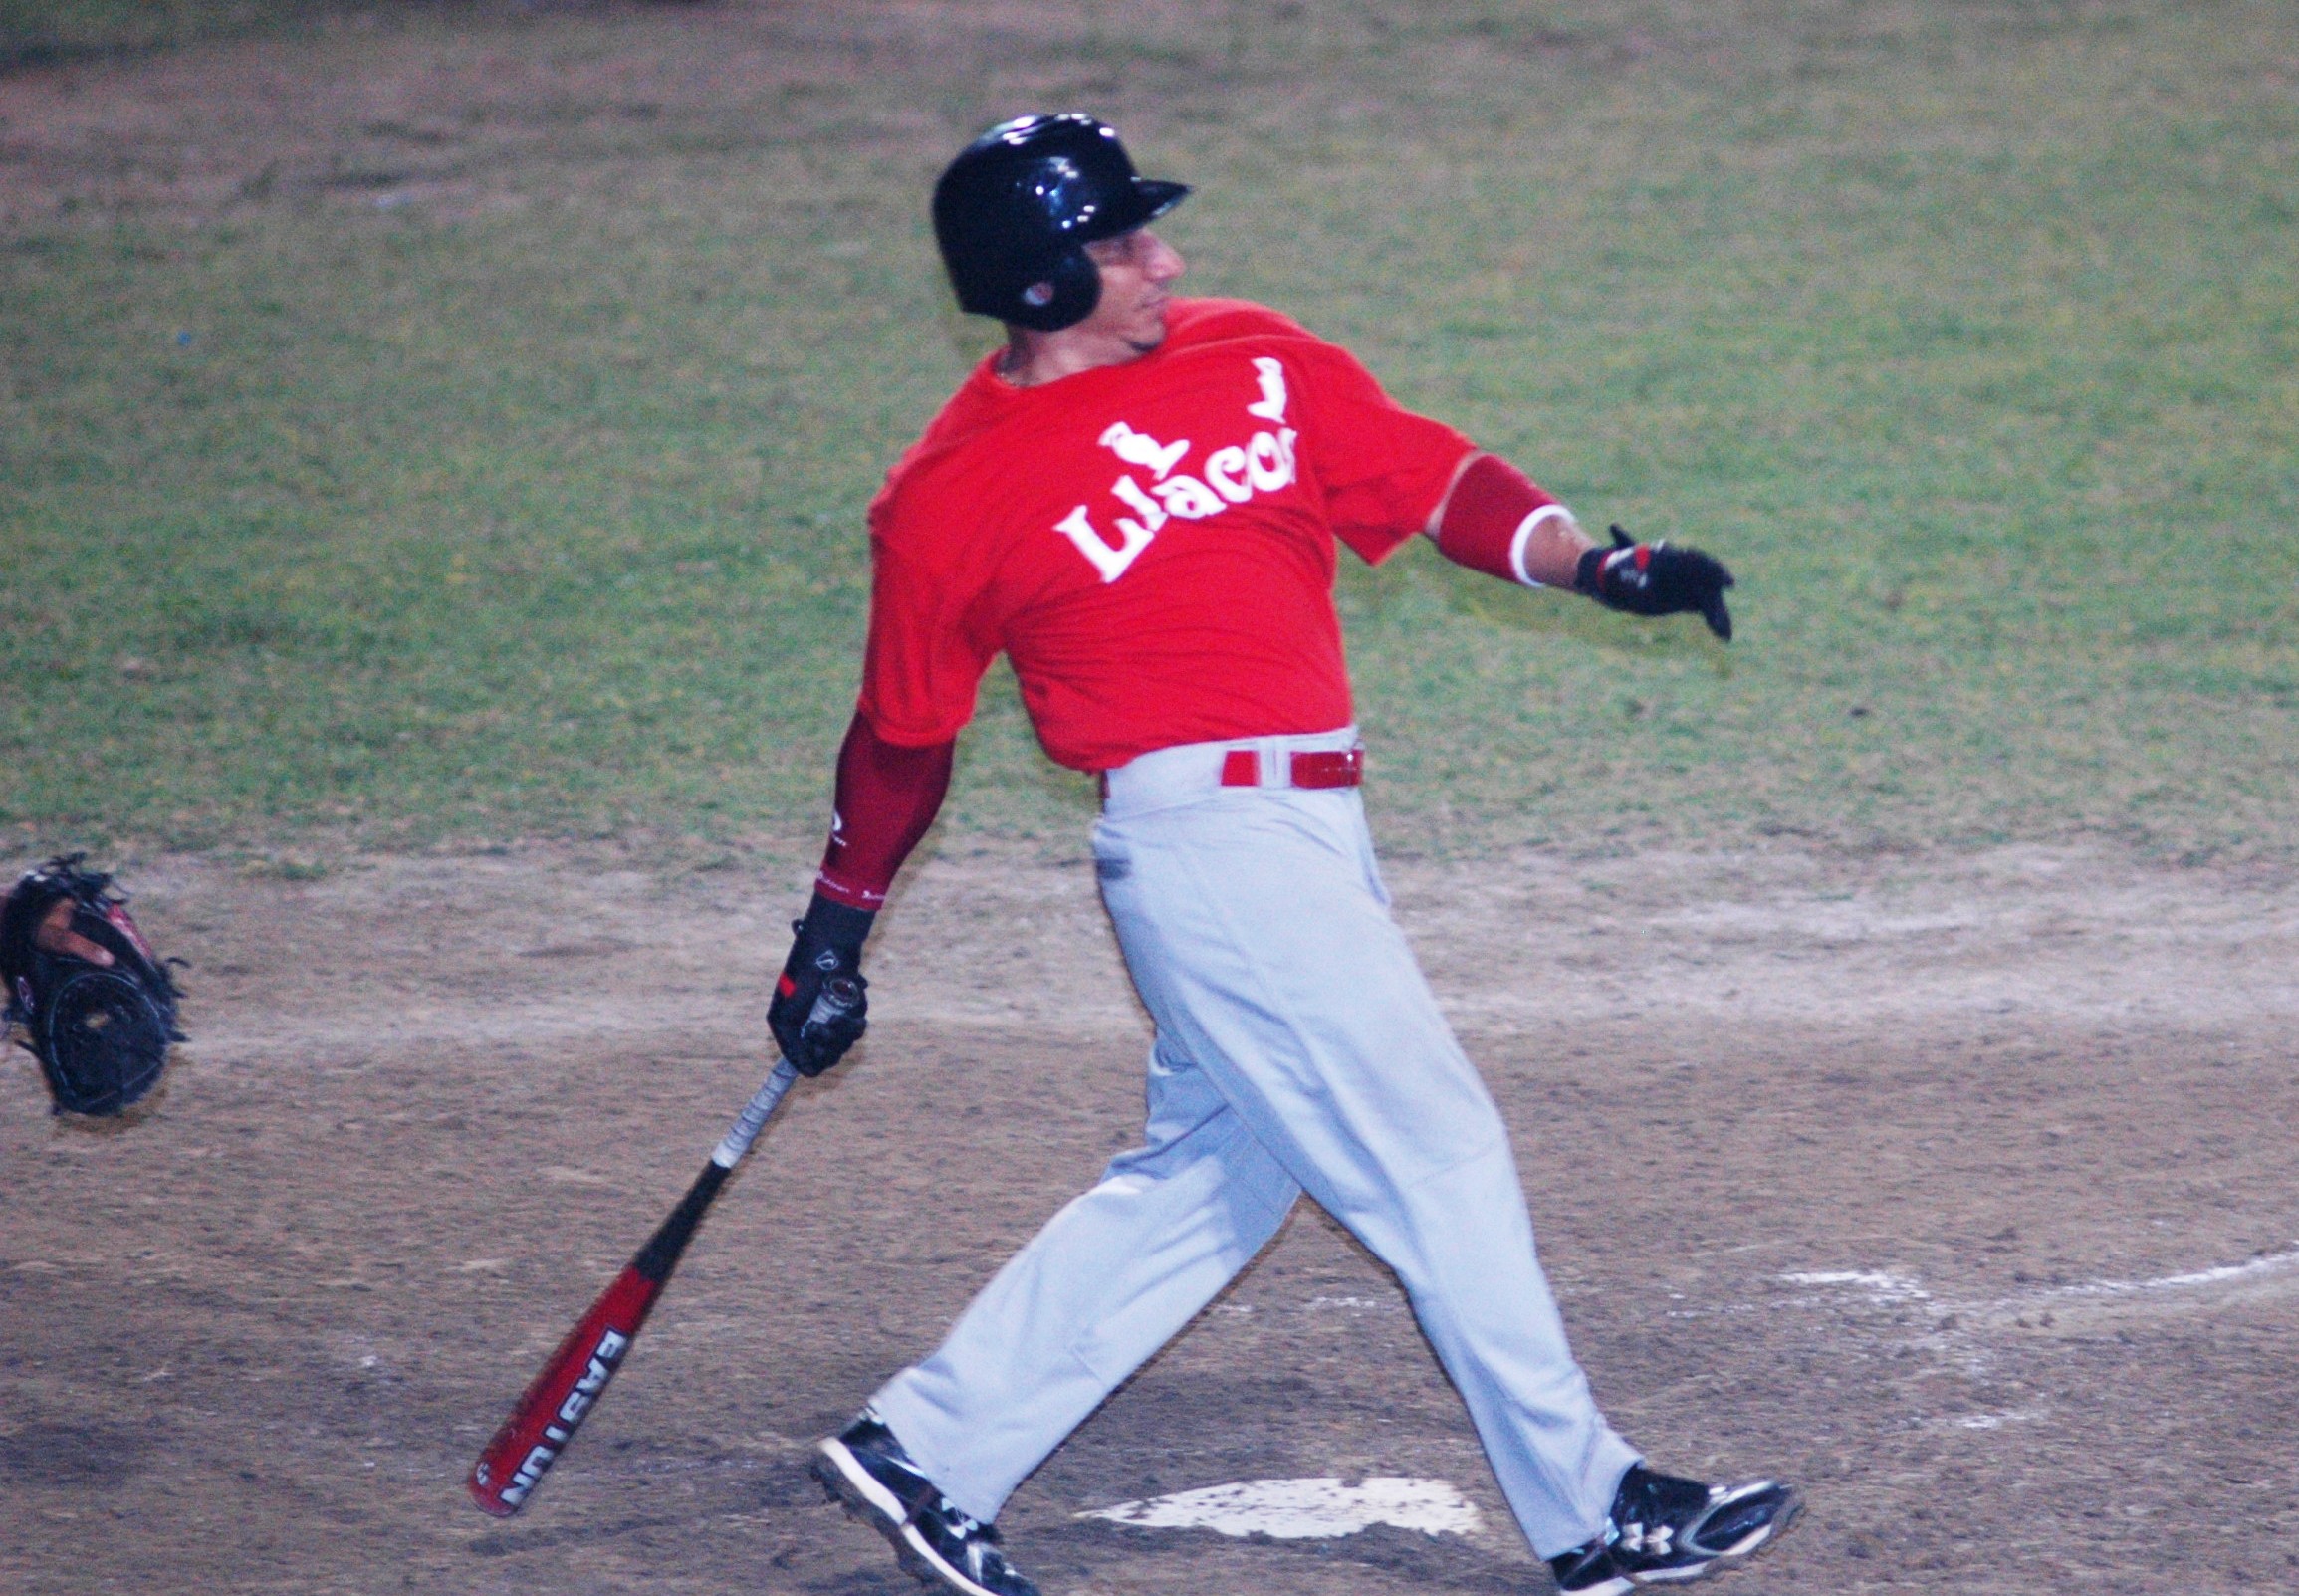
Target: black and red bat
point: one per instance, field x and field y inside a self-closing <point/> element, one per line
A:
<point x="562" y="1396"/>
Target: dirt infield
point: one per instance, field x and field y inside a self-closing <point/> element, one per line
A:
<point x="1959" y="1189"/>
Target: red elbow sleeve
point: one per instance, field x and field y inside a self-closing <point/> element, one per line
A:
<point x="887" y="796"/>
<point x="1493" y="512"/>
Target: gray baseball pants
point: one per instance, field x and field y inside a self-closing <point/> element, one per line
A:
<point x="1298" y="1050"/>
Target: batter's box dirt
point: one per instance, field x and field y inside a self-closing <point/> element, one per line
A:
<point x="1797" y="1209"/>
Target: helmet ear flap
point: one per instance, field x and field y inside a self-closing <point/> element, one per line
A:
<point x="1063" y="297"/>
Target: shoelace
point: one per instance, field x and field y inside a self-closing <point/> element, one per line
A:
<point x="965" y="1526"/>
<point x="1650" y="1532"/>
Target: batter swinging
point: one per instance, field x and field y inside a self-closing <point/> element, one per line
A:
<point x="1138" y="500"/>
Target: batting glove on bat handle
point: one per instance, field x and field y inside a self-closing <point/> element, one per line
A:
<point x="821" y="1007"/>
<point x="1656" y="578"/>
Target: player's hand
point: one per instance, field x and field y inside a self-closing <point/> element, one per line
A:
<point x="826" y="943"/>
<point x="1657" y="579"/>
<point x="55" y="935"/>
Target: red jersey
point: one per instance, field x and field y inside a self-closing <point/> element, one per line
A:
<point x="1151" y="543"/>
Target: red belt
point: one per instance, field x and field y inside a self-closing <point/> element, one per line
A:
<point x="1241" y="766"/>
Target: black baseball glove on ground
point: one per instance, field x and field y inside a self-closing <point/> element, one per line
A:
<point x="101" y="1031"/>
<point x="1657" y="579"/>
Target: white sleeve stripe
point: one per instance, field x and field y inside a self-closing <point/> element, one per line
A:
<point x="1524" y="535"/>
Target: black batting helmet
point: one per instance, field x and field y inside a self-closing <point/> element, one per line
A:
<point x="1014" y="211"/>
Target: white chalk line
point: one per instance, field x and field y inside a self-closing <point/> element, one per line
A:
<point x="1894" y="1288"/>
<point x="1964" y="1332"/>
<point x="1305" y="1509"/>
<point x="2272" y="1264"/>
<point x="1995" y="1421"/>
<point x="1878" y="1285"/>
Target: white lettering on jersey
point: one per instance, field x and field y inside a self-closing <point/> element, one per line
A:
<point x="1273" y="404"/>
<point x="1143" y="505"/>
<point x="1112" y="563"/>
<point x="1140" y="449"/>
<point x="1270" y="460"/>
<point x="1190" y="499"/>
<point x="1222" y="468"/>
<point x="1264" y="463"/>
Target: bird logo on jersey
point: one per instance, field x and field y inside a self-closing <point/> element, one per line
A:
<point x="1140" y="449"/>
<point x="1229" y="476"/>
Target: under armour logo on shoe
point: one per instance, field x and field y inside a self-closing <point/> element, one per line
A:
<point x="1647" y="1543"/>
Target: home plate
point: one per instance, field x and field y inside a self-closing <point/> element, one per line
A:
<point x="1305" y="1509"/>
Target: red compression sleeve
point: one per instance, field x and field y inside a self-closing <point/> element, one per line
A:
<point x="887" y="797"/>
<point x="1493" y="511"/>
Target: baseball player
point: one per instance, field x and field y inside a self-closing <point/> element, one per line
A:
<point x="1139" y="500"/>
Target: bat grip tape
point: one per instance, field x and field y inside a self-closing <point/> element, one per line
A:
<point x="660" y="1255"/>
<point x="754" y="1117"/>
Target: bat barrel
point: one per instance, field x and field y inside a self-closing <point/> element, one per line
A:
<point x="561" y="1396"/>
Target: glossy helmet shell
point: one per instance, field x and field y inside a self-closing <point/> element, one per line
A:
<point x="1017" y="208"/>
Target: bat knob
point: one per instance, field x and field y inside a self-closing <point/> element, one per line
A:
<point x="840" y="996"/>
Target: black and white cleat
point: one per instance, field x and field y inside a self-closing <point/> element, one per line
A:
<point x="867" y="1472"/>
<point x="1662" y="1529"/>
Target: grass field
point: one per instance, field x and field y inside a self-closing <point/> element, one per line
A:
<point x="405" y="453"/>
<point x="42" y="32"/>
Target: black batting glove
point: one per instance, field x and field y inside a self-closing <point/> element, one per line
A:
<point x="812" y="1034"/>
<point x="1655" y="579"/>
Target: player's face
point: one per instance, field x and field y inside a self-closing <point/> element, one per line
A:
<point x="1137" y="271"/>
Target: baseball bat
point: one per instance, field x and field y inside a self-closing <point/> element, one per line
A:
<point x="569" y="1387"/>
